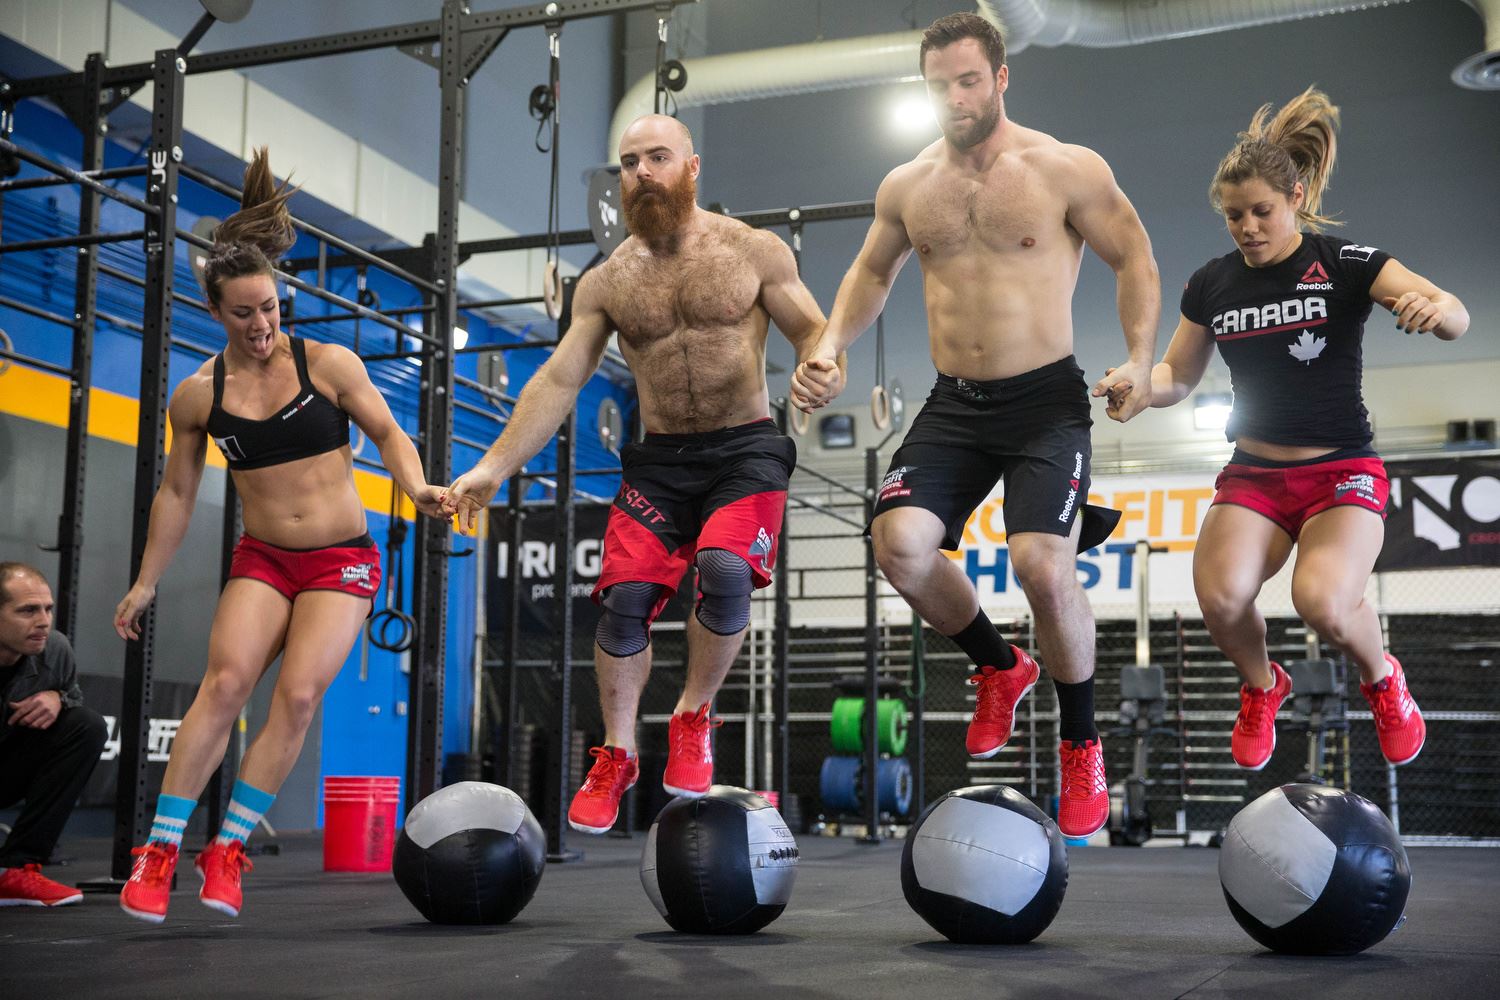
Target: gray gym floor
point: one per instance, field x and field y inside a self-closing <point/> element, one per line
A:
<point x="1148" y="923"/>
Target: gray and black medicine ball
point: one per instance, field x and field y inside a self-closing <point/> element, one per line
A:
<point x="720" y="864"/>
<point x="1314" y="871"/>
<point x="983" y="865"/>
<point x="470" y="853"/>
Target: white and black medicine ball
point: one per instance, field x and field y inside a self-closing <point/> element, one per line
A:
<point x="983" y="865"/>
<point x="470" y="853"/>
<point x="720" y="864"/>
<point x="1314" y="871"/>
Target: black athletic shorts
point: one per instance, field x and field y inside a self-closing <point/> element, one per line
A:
<point x="1032" y="430"/>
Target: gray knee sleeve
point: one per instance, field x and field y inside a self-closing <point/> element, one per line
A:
<point x="724" y="588"/>
<point x="625" y="627"/>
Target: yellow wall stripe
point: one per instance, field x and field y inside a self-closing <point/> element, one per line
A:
<point x="43" y="397"/>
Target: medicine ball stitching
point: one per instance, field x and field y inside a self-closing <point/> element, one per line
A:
<point x="1272" y="868"/>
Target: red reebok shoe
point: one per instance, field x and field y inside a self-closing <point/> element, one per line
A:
<point x="1000" y="691"/>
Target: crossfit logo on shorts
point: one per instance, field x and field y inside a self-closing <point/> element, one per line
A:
<point x="359" y="574"/>
<point x="762" y="547"/>
<point x="894" y="483"/>
<point x="1362" y="485"/>
<point x="1073" y="484"/>
<point x="633" y="501"/>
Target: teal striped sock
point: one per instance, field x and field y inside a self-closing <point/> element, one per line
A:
<point x="246" y="806"/>
<point x="172" y="812"/>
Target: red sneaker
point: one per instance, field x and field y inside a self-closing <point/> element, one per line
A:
<point x="1398" y="720"/>
<point x="1000" y="691"/>
<point x="220" y="865"/>
<point x="690" y="753"/>
<point x="145" y="894"/>
<point x="1254" y="735"/>
<point x="597" y="804"/>
<point x="1083" y="800"/>
<point x="25" y="885"/>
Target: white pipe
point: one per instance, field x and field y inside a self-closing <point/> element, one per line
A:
<point x="1481" y="71"/>
<point x="775" y="72"/>
<point x="1113" y="24"/>
<point x="1489" y="10"/>
<point x="891" y="58"/>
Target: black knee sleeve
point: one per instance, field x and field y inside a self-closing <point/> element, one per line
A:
<point x="724" y="588"/>
<point x="625" y="626"/>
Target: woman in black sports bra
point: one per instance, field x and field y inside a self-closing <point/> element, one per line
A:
<point x="1287" y="311"/>
<point x="305" y="572"/>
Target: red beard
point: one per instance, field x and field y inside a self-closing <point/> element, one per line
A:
<point x="655" y="212"/>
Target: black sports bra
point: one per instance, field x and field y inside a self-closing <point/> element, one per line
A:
<point x="309" y="425"/>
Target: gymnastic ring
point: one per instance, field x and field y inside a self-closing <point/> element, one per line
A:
<point x="379" y="630"/>
<point x="551" y="291"/>
<point x="798" y="419"/>
<point x="880" y="408"/>
<point x="8" y="345"/>
<point x="358" y="449"/>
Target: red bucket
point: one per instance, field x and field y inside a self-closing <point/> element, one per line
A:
<point x="359" y="823"/>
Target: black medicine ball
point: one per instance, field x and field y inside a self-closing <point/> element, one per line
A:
<point x="1314" y="871"/>
<point x="720" y="864"/>
<point x="471" y="853"/>
<point x="983" y="865"/>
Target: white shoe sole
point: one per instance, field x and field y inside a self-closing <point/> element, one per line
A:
<point x="150" y="918"/>
<point x="682" y="793"/>
<point x="65" y="901"/>
<point x="595" y="830"/>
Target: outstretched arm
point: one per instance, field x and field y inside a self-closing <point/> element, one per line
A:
<point x="860" y="299"/>
<point x="1188" y="355"/>
<point x="1108" y="223"/>
<point x="172" y="508"/>
<point x="1418" y="305"/>
<point x="543" y="405"/>
<point x="786" y="299"/>
<point x="357" y="396"/>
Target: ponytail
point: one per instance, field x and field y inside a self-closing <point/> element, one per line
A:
<point x="251" y="240"/>
<point x="1297" y="144"/>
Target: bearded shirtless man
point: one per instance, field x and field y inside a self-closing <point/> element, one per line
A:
<point x="690" y="293"/>
<point x="999" y="214"/>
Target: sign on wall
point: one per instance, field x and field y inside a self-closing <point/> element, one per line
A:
<point x="538" y="610"/>
<point x="1443" y="512"/>
<point x="1166" y="510"/>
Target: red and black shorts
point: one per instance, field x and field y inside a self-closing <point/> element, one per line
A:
<point x="683" y="492"/>
<point x="1032" y="430"/>
<point x="351" y="567"/>
<point x="1288" y="493"/>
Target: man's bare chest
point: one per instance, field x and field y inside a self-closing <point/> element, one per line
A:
<point x="1002" y="210"/>
<point x="651" y="299"/>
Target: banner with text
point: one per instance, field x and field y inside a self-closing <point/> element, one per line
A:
<point x="1166" y="510"/>
<point x="1443" y="512"/>
<point x="538" y="610"/>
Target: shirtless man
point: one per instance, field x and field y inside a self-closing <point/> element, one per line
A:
<point x="999" y="214"/>
<point x="690" y="293"/>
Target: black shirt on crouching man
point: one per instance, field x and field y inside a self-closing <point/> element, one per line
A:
<point x="44" y="768"/>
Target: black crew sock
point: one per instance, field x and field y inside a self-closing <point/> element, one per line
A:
<point x="1075" y="710"/>
<point x="984" y="644"/>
